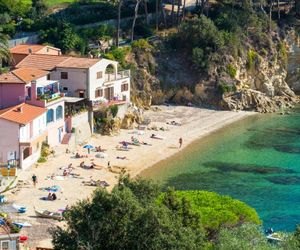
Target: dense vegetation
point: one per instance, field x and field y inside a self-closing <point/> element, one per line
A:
<point x="136" y="215"/>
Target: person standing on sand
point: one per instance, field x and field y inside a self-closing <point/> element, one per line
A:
<point x="34" y="180"/>
<point x="180" y="142"/>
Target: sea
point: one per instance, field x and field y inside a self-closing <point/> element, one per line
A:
<point x="255" y="160"/>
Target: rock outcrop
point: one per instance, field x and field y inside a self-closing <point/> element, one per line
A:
<point x="132" y="118"/>
<point x="253" y="100"/>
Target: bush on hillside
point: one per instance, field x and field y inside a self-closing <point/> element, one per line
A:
<point x="213" y="210"/>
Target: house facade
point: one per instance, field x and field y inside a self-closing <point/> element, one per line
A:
<point x="23" y="129"/>
<point x="97" y="80"/>
<point x="31" y="86"/>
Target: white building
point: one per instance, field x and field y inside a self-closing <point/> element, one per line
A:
<point x="94" y="79"/>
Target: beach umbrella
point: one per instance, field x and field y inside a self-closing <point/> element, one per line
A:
<point x="88" y="146"/>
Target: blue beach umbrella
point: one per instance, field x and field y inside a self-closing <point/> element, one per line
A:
<point x="88" y="146"/>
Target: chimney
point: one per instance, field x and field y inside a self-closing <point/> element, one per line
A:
<point x="20" y="109"/>
<point x="33" y="90"/>
<point x="30" y="50"/>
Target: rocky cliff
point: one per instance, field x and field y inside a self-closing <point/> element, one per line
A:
<point x="255" y="80"/>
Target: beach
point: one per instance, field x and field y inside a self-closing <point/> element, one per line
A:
<point x="171" y="123"/>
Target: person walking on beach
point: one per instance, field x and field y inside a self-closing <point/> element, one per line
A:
<point x="34" y="180"/>
<point x="180" y="142"/>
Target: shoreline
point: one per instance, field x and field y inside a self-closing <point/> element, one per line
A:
<point x="188" y="143"/>
<point x="195" y="124"/>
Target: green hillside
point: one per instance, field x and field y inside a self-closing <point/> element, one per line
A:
<point x="53" y="2"/>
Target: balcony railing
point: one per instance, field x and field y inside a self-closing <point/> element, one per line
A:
<point x="118" y="76"/>
<point x="49" y="97"/>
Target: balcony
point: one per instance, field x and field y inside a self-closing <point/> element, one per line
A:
<point x="48" y="91"/>
<point x="120" y="75"/>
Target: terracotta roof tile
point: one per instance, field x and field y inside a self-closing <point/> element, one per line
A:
<point x="22" y="75"/>
<point x="22" y="113"/>
<point x="10" y="78"/>
<point x="44" y="62"/>
<point x="77" y="62"/>
<point x="24" y="48"/>
<point x="29" y="74"/>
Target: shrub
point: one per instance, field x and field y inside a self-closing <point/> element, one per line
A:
<point x="252" y="59"/>
<point x="141" y="44"/>
<point x="231" y="70"/>
<point x="225" y="88"/>
<point x="282" y="54"/>
<point x="213" y="210"/>
<point x="73" y="130"/>
<point x="114" y="110"/>
<point x="42" y="159"/>
<point x="199" y="58"/>
<point x="45" y="150"/>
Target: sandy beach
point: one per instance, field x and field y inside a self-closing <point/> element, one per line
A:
<point x="190" y="124"/>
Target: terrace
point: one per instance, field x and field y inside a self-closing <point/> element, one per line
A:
<point x="109" y="77"/>
<point x="48" y="91"/>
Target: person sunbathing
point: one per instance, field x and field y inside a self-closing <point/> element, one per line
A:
<point x="49" y="198"/>
<point x="122" y="158"/>
<point x="82" y="164"/>
<point x="54" y="197"/>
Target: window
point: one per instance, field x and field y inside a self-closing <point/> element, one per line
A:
<point x="99" y="74"/>
<point x="5" y="245"/>
<point x="50" y="116"/>
<point x="124" y="87"/>
<point x="59" y="113"/>
<point x="98" y="93"/>
<point x="65" y="89"/>
<point x="48" y="77"/>
<point x="64" y="75"/>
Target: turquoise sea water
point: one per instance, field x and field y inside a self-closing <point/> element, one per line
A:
<point x="256" y="160"/>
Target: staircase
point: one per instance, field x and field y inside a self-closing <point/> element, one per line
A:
<point x="66" y="138"/>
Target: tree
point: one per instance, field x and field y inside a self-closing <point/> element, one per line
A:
<point x="270" y="14"/>
<point x="118" y="22"/>
<point x="40" y="7"/>
<point x="172" y="12"/>
<point x="145" y="2"/>
<point x="156" y="14"/>
<point x="297" y="8"/>
<point x="244" y="237"/>
<point x="4" y="50"/>
<point x="127" y="218"/>
<point x="134" y="18"/>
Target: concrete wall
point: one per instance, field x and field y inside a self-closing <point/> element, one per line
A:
<point x="39" y="125"/>
<point x="76" y="80"/>
<point x="11" y="94"/>
<point x="9" y="139"/>
<point x="82" y="127"/>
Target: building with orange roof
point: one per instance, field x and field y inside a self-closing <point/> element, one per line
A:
<point x="19" y="52"/>
<point x="23" y="129"/>
<point x="14" y="85"/>
<point x="97" y="80"/>
<point x="32" y="86"/>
